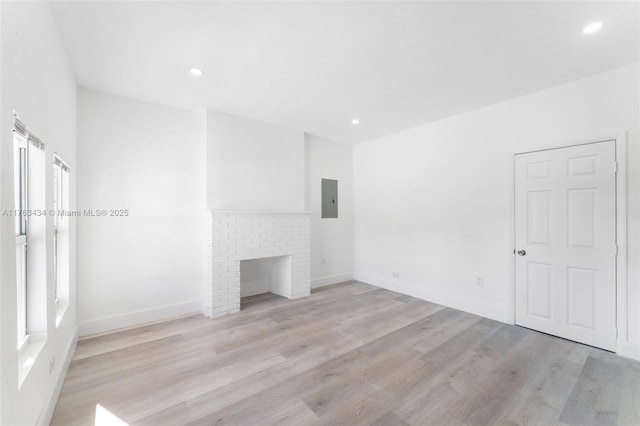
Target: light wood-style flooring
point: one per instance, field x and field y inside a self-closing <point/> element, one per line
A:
<point x="349" y="354"/>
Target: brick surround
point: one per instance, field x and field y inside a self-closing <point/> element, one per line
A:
<point x="241" y="235"/>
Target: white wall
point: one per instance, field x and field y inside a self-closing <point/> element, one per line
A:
<point x="148" y="159"/>
<point x="331" y="239"/>
<point x="37" y="82"/>
<point x="253" y="165"/>
<point x="434" y="204"/>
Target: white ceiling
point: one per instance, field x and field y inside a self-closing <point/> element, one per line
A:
<point x="314" y="66"/>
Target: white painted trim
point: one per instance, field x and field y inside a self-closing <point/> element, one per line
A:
<point x="512" y="241"/>
<point x="47" y="411"/>
<point x="454" y="302"/>
<point x="215" y="211"/>
<point x="100" y="325"/>
<point x="567" y="143"/>
<point x="628" y="349"/>
<point x="624" y="346"/>
<point x="205" y="308"/>
<point x="331" y="279"/>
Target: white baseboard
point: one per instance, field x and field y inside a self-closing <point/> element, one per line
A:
<point x="628" y="349"/>
<point x="205" y="309"/>
<point x="100" y="325"/>
<point x="455" y="302"/>
<point x="47" y="411"/>
<point x="331" y="279"/>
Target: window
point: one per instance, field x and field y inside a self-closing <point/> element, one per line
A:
<point x="20" y="192"/>
<point x="30" y="227"/>
<point x="61" y="235"/>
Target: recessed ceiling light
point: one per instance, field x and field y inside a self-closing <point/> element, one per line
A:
<point x="355" y="121"/>
<point x="592" y="28"/>
<point x="196" y="71"/>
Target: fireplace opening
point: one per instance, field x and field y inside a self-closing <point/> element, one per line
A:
<point x="264" y="278"/>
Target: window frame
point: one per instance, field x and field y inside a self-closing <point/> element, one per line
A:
<point x="60" y="206"/>
<point x="21" y="197"/>
<point x="23" y="142"/>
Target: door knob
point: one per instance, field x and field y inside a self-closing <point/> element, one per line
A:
<point x="522" y="252"/>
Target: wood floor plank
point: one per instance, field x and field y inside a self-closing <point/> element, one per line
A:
<point x="436" y="394"/>
<point x="595" y="399"/>
<point x="175" y="414"/>
<point x="110" y="342"/>
<point x="630" y="403"/>
<point x="484" y="403"/>
<point x="542" y="402"/>
<point x="542" y="398"/>
<point x="389" y="419"/>
<point x="349" y="354"/>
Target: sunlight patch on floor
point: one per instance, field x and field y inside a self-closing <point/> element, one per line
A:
<point x="105" y="417"/>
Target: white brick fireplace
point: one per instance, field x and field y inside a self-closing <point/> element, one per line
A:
<point x="235" y="236"/>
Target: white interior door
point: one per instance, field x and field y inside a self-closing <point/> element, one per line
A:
<point x="566" y="242"/>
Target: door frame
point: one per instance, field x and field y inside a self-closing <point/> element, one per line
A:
<point x="623" y="345"/>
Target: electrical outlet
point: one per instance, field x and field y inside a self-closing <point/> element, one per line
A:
<point x="52" y="363"/>
<point x="479" y="282"/>
<point x="395" y="274"/>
